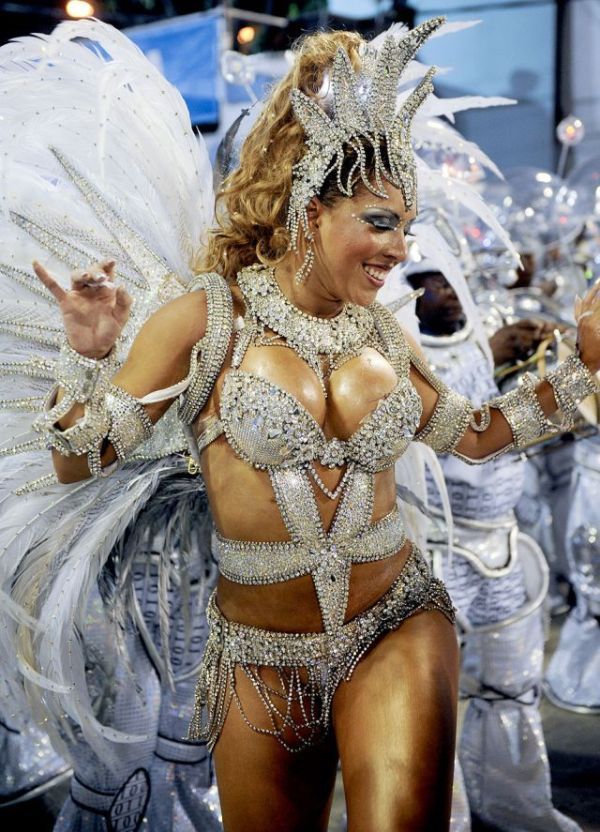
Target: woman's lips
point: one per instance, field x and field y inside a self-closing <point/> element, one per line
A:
<point x="375" y="274"/>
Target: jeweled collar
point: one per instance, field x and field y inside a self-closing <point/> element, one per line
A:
<point x="309" y="336"/>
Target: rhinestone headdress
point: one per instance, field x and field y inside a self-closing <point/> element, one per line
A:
<point x="362" y="110"/>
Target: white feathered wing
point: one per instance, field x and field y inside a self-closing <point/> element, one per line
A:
<point x="97" y="159"/>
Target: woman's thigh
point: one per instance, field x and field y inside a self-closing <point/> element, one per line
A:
<point x="395" y="724"/>
<point x="262" y="785"/>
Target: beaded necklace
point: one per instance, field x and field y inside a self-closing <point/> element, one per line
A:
<point x="336" y="339"/>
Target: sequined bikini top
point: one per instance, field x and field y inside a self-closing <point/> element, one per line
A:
<point x="267" y="427"/>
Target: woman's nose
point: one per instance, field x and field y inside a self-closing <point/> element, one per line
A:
<point x="396" y="247"/>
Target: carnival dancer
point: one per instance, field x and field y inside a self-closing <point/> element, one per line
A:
<point x="297" y="393"/>
<point x="497" y="579"/>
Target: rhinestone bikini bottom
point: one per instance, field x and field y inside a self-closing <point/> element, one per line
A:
<point x="295" y="675"/>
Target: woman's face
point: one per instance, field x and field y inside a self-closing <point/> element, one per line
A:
<point x="357" y="242"/>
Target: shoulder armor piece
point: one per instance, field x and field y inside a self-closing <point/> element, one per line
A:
<point x="209" y="352"/>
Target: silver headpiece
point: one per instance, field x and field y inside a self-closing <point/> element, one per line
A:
<point x="362" y="109"/>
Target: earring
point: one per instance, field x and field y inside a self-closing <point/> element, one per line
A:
<point x="307" y="263"/>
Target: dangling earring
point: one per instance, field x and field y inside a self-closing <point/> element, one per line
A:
<point x="307" y="263"/>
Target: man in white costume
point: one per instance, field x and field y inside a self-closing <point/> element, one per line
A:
<point x="498" y="579"/>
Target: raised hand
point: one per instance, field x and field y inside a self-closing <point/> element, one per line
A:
<point x="94" y="310"/>
<point x="587" y="315"/>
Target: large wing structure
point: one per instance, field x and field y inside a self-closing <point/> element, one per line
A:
<point x="97" y="160"/>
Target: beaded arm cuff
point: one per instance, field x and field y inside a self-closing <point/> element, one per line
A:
<point x="522" y="410"/>
<point x="451" y="415"/>
<point x="130" y="425"/>
<point x="571" y="382"/>
<point x="110" y="413"/>
<point x="448" y="422"/>
<point x="83" y="381"/>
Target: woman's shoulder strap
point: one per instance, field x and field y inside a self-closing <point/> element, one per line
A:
<point x="392" y="338"/>
<point x="208" y="354"/>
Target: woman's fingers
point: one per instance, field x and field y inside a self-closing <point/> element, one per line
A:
<point x="93" y="277"/>
<point x="123" y="298"/>
<point x="109" y="266"/>
<point x="49" y="282"/>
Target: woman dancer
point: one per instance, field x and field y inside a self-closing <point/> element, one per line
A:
<point x="329" y="636"/>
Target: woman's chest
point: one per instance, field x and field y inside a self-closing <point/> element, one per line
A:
<point x="275" y="412"/>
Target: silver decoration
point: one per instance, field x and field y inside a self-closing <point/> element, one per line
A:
<point x="209" y="353"/>
<point x="310" y="666"/>
<point x="306" y="334"/>
<point x="362" y="111"/>
<point x="130" y="425"/>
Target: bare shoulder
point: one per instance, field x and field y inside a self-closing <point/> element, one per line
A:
<point x="182" y="321"/>
<point x="160" y="354"/>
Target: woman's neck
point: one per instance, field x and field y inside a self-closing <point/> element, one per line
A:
<point x="310" y="296"/>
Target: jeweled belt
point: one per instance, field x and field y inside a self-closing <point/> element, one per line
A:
<point x="250" y="562"/>
<point x="247" y="644"/>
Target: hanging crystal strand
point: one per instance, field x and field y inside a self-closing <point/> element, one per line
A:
<point x="333" y="495"/>
<point x="307" y="263"/>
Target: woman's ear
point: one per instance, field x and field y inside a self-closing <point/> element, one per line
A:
<point x="314" y="211"/>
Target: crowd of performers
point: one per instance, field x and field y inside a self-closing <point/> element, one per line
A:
<point x="525" y="546"/>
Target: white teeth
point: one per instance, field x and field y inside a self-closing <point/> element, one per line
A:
<point x="378" y="274"/>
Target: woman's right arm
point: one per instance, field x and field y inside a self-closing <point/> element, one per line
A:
<point x="158" y="358"/>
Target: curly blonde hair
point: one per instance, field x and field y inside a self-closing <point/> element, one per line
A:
<point x="252" y="204"/>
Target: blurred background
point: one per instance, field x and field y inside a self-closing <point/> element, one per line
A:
<point x="540" y="52"/>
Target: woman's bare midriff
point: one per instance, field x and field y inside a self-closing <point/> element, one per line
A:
<point x="244" y="508"/>
<point x="292" y="606"/>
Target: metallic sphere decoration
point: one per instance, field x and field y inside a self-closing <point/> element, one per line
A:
<point x="570" y="131"/>
<point x="236" y="68"/>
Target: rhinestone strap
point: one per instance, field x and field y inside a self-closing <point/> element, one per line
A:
<point x="209" y="353"/>
<point x="571" y="382"/>
<point x="248" y="562"/>
<point x="393" y="341"/>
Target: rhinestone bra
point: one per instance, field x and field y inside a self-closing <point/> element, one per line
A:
<point x="268" y="428"/>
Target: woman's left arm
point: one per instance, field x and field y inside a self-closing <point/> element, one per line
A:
<point x="449" y="424"/>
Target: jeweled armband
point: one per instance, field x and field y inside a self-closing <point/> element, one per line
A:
<point x="130" y="425"/>
<point x="522" y="410"/>
<point x="571" y="383"/>
<point x="451" y="415"/>
<point x="109" y="412"/>
<point x="83" y="381"/>
<point x="448" y="423"/>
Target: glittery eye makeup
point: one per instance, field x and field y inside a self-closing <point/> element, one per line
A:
<point x="381" y="219"/>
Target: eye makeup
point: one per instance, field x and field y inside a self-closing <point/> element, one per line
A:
<point x="381" y="219"/>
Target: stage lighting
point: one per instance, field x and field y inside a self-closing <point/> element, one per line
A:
<point x="246" y="35"/>
<point x="79" y="8"/>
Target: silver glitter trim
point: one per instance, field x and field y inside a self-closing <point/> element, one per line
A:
<point x="209" y="353"/>
<point x="309" y="666"/>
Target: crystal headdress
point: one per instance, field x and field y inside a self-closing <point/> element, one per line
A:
<point x="360" y="108"/>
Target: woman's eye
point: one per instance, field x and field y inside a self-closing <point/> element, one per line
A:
<point x="382" y="223"/>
